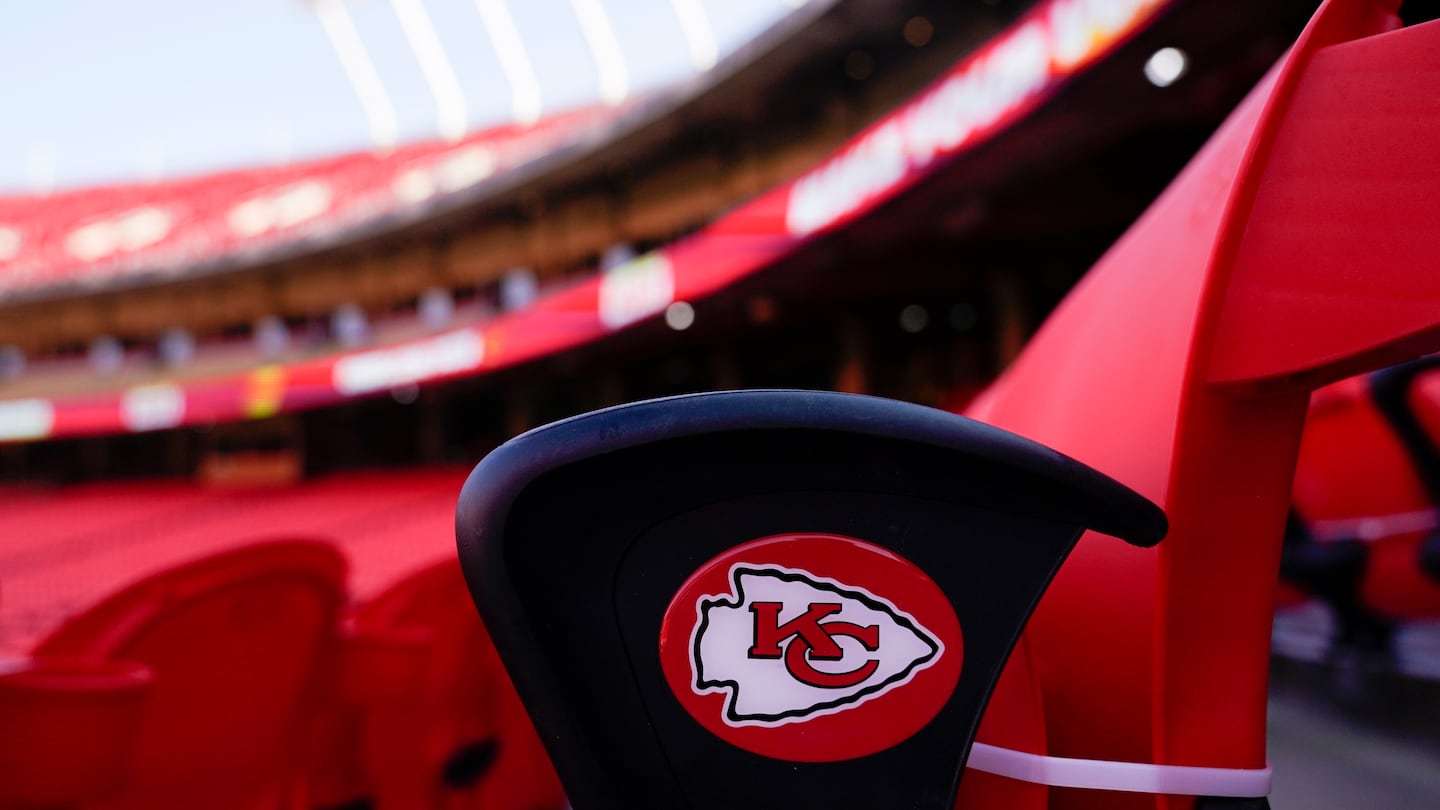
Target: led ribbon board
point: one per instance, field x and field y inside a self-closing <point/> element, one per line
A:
<point x="767" y="599"/>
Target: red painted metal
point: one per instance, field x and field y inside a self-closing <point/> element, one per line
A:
<point x="1182" y="367"/>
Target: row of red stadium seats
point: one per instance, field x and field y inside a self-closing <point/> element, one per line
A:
<point x="96" y="235"/>
<point x="243" y="680"/>
<point x="1364" y="530"/>
<point x="1360" y="567"/>
<point x="259" y="675"/>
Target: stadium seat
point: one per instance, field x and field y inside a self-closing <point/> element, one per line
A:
<point x="239" y="643"/>
<point x="1191" y="386"/>
<point x="429" y="717"/>
<point x="68" y="729"/>
<point x="656" y="576"/>
<point x="1409" y="396"/>
<point x="117" y="532"/>
<point x="1365" y="497"/>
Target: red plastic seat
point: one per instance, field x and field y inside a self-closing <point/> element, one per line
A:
<point x="1355" y="482"/>
<point x="1182" y="365"/>
<point x="68" y="730"/>
<point x="239" y="643"/>
<point x="432" y="718"/>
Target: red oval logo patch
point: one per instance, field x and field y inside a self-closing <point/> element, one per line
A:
<point x="811" y="647"/>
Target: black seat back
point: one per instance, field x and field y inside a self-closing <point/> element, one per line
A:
<point x="767" y="599"/>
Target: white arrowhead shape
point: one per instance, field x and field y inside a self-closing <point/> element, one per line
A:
<point x="763" y="691"/>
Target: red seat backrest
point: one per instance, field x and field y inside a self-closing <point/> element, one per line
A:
<point x="68" y="729"/>
<point x="1351" y="464"/>
<point x="238" y="642"/>
<point x="1355" y="479"/>
<point x="1285" y="256"/>
<point x="469" y="701"/>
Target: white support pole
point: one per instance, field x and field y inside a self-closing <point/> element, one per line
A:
<point x="609" y="60"/>
<point x="425" y="43"/>
<point x="357" y="66"/>
<point x="698" y="35"/>
<point x="514" y="60"/>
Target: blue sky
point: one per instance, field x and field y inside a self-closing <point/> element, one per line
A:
<point x="99" y="91"/>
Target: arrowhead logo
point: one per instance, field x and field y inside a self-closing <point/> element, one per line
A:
<point x="786" y="645"/>
<point x="811" y="647"/>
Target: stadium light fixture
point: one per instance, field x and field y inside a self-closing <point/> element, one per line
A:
<point x="680" y="316"/>
<point x="1166" y="66"/>
<point x="609" y="59"/>
<point x="918" y="32"/>
<point x="355" y="61"/>
<point x="698" y="35"/>
<point x="435" y="65"/>
<point x="514" y="59"/>
<point x="914" y="319"/>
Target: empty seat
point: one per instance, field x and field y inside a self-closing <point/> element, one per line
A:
<point x="114" y="532"/>
<point x="68" y="729"/>
<point x="634" y="564"/>
<point x="1365" y="491"/>
<point x="239" y="643"/>
<point x="432" y="719"/>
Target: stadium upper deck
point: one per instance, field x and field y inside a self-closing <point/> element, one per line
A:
<point x="93" y="239"/>
<point x="555" y="211"/>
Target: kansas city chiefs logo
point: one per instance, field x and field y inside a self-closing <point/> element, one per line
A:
<point x="786" y="645"/>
